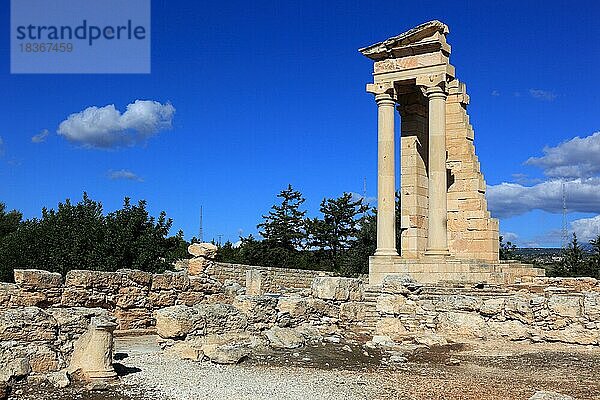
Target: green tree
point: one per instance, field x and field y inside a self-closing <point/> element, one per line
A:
<point x="79" y="236"/>
<point x="507" y="250"/>
<point x="593" y="264"/>
<point x="573" y="260"/>
<point x="356" y="261"/>
<point x="336" y="232"/>
<point x="9" y="221"/>
<point x="283" y="226"/>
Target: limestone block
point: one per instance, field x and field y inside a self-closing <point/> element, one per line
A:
<point x="391" y="327"/>
<point x="221" y="318"/>
<point x="591" y="304"/>
<point x="284" y="338"/>
<point x="131" y="297"/>
<point x="80" y="297"/>
<point x="565" y="306"/>
<point x="92" y="355"/>
<point x="337" y="288"/>
<point x="458" y="303"/>
<point x="353" y="311"/>
<point x="492" y="306"/>
<point x="518" y="307"/>
<point x="44" y="359"/>
<point x="197" y="265"/>
<point x="511" y="329"/>
<point x="574" y="333"/>
<point x="27" y="324"/>
<point x="162" y="298"/>
<point x="254" y="280"/>
<point x="79" y="278"/>
<point x="390" y="303"/>
<point x="133" y="277"/>
<point x="190" y="298"/>
<point x="170" y="280"/>
<point x="207" y="250"/>
<point x="295" y="306"/>
<point x="258" y="309"/>
<point x="134" y="318"/>
<point x="229" y="348"/>
<point x="177" y="321"/>
<point x="462" y="324"/>
<point x="35" y="278"/>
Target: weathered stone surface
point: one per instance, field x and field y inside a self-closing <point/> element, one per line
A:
<point x="207" y="250"/>
<point x="198" y="265"/>
<point x="133" y="318"/>
<point x="574" y="333"/>
<point x="458" y="302"/>
<point x="390" y="327"/>
<point x="37" y="278"/>
<point x="353" y="311"/>
<point x="82" y="297"/>
<point x="170" y="281"/>
<point x="394" y="304"/>
<point x="221" y="318"/>
<point x="565" y="306"/>
<point x="133" y="277"/>
<point x="295" y="306"/>
<point x="27" y="324"/>
<point x="44" y="358"/>
<point x="492" y="306"/>
<point x="398" y="284"/>
<point x="545" y="395"/>
<point x="227" y="348"/>
<point x="511" y="329"/>
<point x="284" y="338"/>
<point x="337" y="288"/>
<point x="177" y="321"/>
<point x="462" y="324"/>
<point x="162" y="298"/>
<point x="518" y="307"/>
<point x="14" y="368"/>
<point x="591" y="305"/>
<point x="58" y="379"/>
<point x="260" y="311"/>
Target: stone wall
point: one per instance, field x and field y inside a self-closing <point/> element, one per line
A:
<point x="132" y="296"/>
<point x="274" y="280"/>
<point x="547" y="309"/>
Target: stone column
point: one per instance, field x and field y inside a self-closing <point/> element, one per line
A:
<point x="386" y="179"/>
<point x="437" y="235"/>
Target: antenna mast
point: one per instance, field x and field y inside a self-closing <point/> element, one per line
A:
<point x="201" y="230"/>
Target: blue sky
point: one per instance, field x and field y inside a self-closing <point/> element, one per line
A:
<point x="269" y="93"/>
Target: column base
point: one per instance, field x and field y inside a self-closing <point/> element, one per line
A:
<point x="386" y="252"/>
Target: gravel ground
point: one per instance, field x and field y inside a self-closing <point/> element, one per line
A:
<point x="472" y="371"/>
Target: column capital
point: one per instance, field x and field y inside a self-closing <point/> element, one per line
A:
<point x="384" y="92"/>
<point x="434" y="85"/>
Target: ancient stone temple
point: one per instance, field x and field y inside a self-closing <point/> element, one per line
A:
<point x="447" y="233"/>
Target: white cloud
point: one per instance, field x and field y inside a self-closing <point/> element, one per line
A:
<point x="1" y="146"/>
<point x="509" y="237"/>
<point x="40" y="137"/>
<point x="586" y="228"/>
<point x="541" y="94"/>
<point x="105" y="127"/>
<point x="510" y="199"/>
<point x="124" y="174"/>
<point x="369" y="200"/>
<point x="495" y="93"/>
<point x="575" y="158"/>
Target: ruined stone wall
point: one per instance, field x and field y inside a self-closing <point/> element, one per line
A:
<point x="274" y="280"/>
<point x="546" y="309"/>
<point x="472" y="233"/>
<point x="132" y="296"/>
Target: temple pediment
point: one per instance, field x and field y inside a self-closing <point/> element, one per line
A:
<point x="425" y="38"/>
